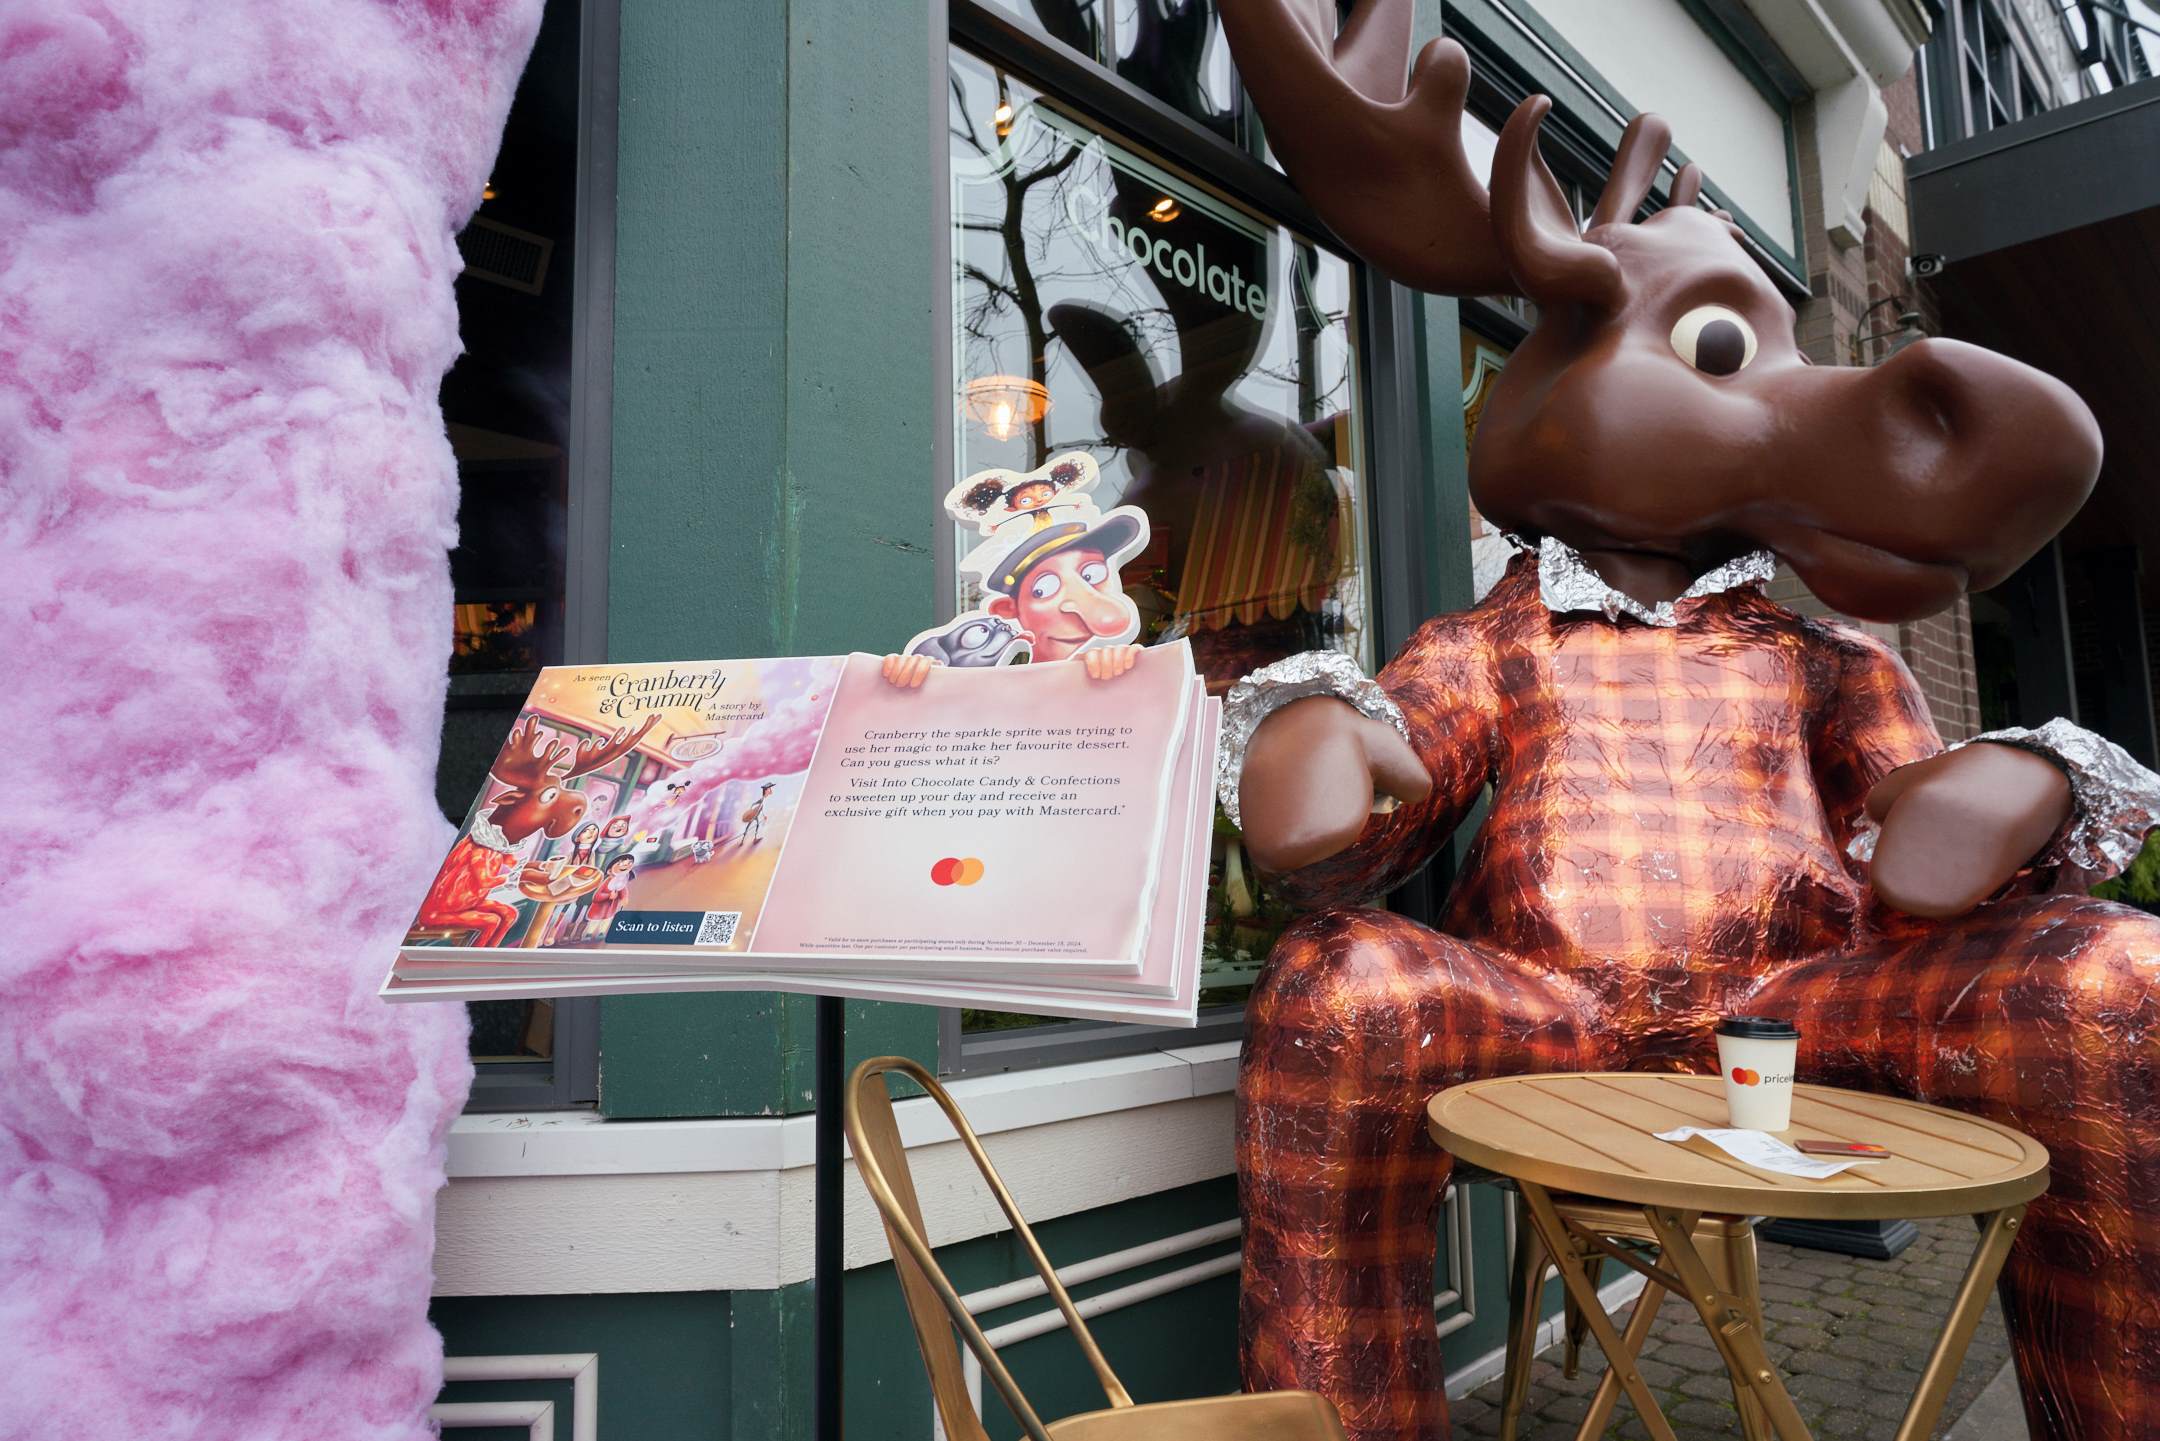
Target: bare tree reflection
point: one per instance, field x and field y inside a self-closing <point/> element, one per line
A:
<point x="1166" y="307"/>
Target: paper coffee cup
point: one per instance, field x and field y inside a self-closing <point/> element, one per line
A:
<point x="1757" y="1055"/>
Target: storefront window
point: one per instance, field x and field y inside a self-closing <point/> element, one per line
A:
<point x="1174" y="50"/>
<point x="1075" y="23"/>
<point x="1482" y="359"/>
<point x="1205" y="357"/>
<point x="507" y="407"/>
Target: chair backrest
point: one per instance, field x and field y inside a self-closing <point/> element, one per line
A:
<point x="933" y="1305"/>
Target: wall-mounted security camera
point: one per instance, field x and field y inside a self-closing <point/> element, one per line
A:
<point x="1926" y="267"/>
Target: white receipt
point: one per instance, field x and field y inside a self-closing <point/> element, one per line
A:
<point x="1762" y="1150"/>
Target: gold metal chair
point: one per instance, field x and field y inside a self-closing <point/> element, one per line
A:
<point x="936" y="1311"/>
<point x="1727" y="1246"/>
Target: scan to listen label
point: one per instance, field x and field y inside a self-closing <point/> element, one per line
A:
<point x="656" y="928"/>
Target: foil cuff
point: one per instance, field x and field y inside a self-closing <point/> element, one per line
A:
<point x="1566" y="582"/>
<point x="2114" y="801"/>
<point x="1270" y="688"/>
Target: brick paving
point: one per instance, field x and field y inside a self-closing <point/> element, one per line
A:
<point x="1850" y="1338"/>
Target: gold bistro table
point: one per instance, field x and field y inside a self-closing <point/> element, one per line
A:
<point x="1595" y="1134"/>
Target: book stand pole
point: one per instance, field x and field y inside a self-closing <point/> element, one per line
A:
<point x="829" y="1262"/>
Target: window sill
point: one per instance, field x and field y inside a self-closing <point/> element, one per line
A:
<point x="560" y="1143"/>
<point x="553" y="1203"/>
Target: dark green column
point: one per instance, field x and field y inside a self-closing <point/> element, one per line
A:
<point x="773" y="427"/>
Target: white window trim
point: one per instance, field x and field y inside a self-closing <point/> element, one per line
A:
<point x="549" y="1203"/>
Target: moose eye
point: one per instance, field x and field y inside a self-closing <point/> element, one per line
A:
<point x="1714" y="339"/>
<point x="547" y="797"/>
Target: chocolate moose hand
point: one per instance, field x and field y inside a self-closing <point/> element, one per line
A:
<point x="1957" y="825"/>
<point x="1311" y="775"/>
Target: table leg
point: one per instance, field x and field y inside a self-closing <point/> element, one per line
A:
<point x="1526" y="1282"/>
<point x="1608" y="1389"/>
<point x="1730" y="1259"/>
<point x="1618" y="1355"/>
<point x="538" y="928"/>
<point x="1942" y="1367"/>
<point x="1737" y="1338"/>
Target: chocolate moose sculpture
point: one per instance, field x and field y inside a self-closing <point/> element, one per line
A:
<point x="1700" y="801"/>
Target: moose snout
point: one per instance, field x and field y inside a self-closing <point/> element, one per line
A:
<point x="1942" y="469"/>
<point x="563" y="816"/>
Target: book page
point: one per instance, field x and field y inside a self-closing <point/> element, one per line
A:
<point x="1164" y="993"/>
<point x="1015" y="817"/>
<point x="631" y="802"/>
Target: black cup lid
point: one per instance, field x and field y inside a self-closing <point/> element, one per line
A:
<point x="1759" y="1028"/>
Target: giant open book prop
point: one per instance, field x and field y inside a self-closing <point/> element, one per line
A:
<point x="1020" y="838"/>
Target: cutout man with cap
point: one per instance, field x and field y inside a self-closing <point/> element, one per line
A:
<point x="1056" y="582"/>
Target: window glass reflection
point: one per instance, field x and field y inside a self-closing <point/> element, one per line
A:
<point x="1482" y="359"/>
<point x="1204" y="357"/>
<point x="1075" y="23"/>
<point x="1175" y="51"/>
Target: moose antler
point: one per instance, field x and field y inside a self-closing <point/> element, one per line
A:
<point x="1551" y="263"/>
<point x="596" y="755"/>
<point x="530" y="757"/>
<point x="1382" y="162"/>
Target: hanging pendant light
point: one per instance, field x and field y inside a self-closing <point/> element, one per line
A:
<point x="1001" y="404"/>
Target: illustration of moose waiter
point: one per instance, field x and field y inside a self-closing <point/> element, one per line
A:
<point x="535" y="770"/>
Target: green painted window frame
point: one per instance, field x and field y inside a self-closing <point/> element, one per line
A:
<point x="759" y="352"/>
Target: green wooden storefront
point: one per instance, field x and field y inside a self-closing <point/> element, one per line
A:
<point x="772" y="316"/>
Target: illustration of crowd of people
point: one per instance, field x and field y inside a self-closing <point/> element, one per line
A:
<point x="586" y="919"/>
<point x="610" y="850"/>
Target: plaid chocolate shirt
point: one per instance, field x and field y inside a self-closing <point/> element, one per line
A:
<point x="1715" y="768"/>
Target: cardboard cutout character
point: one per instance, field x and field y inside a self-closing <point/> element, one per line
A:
<point x="1050" y="572"/>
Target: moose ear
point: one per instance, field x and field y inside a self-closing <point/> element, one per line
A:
<point x="1551" y="262"/>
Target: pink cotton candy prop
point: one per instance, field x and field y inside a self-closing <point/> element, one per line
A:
<point x="226" y="262"/>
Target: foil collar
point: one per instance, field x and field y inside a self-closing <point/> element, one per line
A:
<point x="2114" y="802"/>
<point x="1567" y="583"/>
<point x="488" y="835"/>
<point x="1270" y="688"/>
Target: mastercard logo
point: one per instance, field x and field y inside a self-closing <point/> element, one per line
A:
<point x="1742" y="1076"/>
<point x="955" y="871"/>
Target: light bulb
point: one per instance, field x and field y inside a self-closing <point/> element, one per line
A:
<point x="1003" y="115"/>
<point x="1001" y="420"/>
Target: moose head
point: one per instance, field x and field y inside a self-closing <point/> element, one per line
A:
<point x="1661" y="410"/>
<point x="535" y="767"/>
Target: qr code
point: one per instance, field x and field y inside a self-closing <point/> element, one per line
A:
<point x="718" y="928"/>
